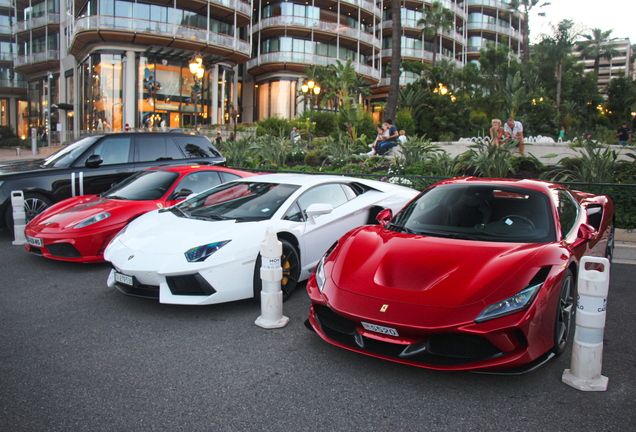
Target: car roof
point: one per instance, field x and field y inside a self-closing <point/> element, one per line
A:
<point x="186" y="168"/>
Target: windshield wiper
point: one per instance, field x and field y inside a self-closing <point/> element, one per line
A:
<point x="186" y="215"/>
<point x="116" y="197"/>
<point x="400" y="228"/>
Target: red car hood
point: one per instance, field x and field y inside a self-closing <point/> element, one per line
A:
<point x="68" y="213"/>
<point x="426" y="271"/>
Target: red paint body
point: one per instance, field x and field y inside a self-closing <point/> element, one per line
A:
<point x="56" y="224"/>
<point x="434" y="287"/>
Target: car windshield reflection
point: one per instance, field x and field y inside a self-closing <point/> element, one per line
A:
<point x="484" y="213"/>
<point x="243" y="201"/>
<point x="69" y="154"/>
<point x="143" y="186"/>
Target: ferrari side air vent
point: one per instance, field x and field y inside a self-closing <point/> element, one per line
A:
<point x="461" y="346"/>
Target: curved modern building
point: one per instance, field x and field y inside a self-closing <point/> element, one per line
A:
<point x="125" y="62"/>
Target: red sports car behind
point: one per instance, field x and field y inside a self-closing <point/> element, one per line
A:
<point x="79" y="229"/>
<point x="473" y="274"/>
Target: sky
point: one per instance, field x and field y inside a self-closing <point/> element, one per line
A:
<point x="603" y="14"/>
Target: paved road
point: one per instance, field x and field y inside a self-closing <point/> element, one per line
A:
<point x="76" y="355"/>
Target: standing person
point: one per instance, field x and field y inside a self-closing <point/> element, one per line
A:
<point x="164" y="125"/>
<point x="624" y="135"/>
<point x="514" y="130"/>
<point x="218" y="138"/>
<point x="231" y="138"/>
<point x="389" y="141"/>
<point x="561" y="134"/>
<point x="295" y="135"/>
<point x="402" y="137"/>
<point x="100" y="126"/>
<point x="496" y="132"/>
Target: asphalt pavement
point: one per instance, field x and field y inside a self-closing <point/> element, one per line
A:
<point x="77" y="355"/>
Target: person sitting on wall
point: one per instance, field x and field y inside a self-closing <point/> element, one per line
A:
<point x="496" y="132"/>
<point x="391" y="140"/>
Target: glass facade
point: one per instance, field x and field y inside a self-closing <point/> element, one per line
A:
<point x="101" y="79"/>
<point x="288" y="44"/>
<point x="36" y="103"/>
<point x="276" y="99"/>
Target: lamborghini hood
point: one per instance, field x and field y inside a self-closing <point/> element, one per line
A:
<point x="426" y="271"/>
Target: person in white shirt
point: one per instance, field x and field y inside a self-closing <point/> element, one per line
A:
<point x="402" y="137"/>
<point x="514" y="130"/>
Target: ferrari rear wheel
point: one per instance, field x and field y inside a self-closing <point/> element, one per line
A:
<point x="290" y="263"/>
<point x="565" y="313"/>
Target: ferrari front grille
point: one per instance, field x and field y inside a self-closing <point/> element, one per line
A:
<point x="193" y="285"/>
<point x="332" y="320"/>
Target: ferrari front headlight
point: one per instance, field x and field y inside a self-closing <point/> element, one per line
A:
<point x="201" y="253"/>
<point x="510" y="305"/>
<point x="320" y="269"/>
<point x="93" y="219"/>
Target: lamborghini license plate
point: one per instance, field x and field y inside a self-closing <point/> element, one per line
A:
<point x="122" y="278"/>
<point x="380" y="329"/>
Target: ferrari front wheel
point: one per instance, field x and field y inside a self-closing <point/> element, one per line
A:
<point x="290" y="263"/>
<point x="565" y="313"/>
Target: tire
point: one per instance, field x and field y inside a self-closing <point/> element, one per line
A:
<point x="609" y="250"/>
<point x="290" y="263"/>
<point x="34" y="204"/>
<point x="566" y="310"/>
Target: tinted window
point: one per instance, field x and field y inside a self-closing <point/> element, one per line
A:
<point x="229" y="176"/>
<point x="194" y="146"/>
<point x="479" y="212"/>
<point x="113" y="150"/>
<point x="144" y="185"/>
<point x="326" y="194"/>
<point x="156" y="148"/>
<point x="568" y="211"/>
<point x="199" y="181"/>
<point x="65" y="157"/>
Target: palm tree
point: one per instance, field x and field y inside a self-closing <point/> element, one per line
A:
<point x="436" y="20"/>
<point x="596" y="47"/>
<point x="524" y="7"/>
<point x="396" y="60"/>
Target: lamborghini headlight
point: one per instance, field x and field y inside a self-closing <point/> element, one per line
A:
<point x="201" y="253"/>
<point x="510" y="305"/>
<point x="320" y="269"/>
<point x="93" y="219"/>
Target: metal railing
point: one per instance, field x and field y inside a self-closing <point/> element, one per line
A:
<point x="20" y="60"/>
<point x="47" y="18"/>
<point x="238" y="5"/>
<point x="508" y="31"/>
<point x="13" y="83"/>
<point x="367" y="5"/>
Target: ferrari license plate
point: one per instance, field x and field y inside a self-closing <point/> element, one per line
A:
<point x="122" y="278"/>
<point x="380" y="329"/>
<point x="35" y="241"/>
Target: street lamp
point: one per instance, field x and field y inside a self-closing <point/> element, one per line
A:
<point x="49" y="77"/>
<point x="197" y="70"/>
<point x="313" y="90"/>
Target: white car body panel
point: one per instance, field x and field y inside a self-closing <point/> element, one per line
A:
<point x="153" y="246"/>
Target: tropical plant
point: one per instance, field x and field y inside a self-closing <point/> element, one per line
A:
<point x="416" y="149"/>
<point x="597" y="164"/>
<point x="595" y="46"/>
<point x="489" y="160"/>
<point x="514" y="93"/>
<point x="436" y="18"/>
<point x="443" y="165"/>
<point x="271" y="149"/>
<point x="237" y="153"/>
<point x="524" y="7"/>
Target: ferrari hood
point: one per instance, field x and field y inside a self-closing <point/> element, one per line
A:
<point x="68" y="213"/>
<point x="165" y="233"/>
<point x="427" y="271"/>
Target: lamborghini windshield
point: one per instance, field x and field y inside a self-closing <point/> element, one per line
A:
<point x="479" y="212"/>
<point x="243" y="201"/>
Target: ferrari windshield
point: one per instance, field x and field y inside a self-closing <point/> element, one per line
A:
<point x="250" y="201"/>
<point x="479" y="212"/>
<point x="143" y="186"/>
<point x="69" y="154"/>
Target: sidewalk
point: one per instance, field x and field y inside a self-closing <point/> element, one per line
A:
<point x="9" y="154"/>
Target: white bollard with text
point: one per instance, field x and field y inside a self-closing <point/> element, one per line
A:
<point x="19" y="218"/>
<point x="587" y="350"/>
<point x="271" y="277"/>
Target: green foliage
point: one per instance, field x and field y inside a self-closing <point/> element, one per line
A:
<point x="237" y="153"/>
<point x="312" y="158"/>
<point x="527" y="163"/>
<point x="404" y="121"/>
<point x="325" y="123"/>
<point x="597" y="165"/>
<point x="416" y="149"/>
<point x="274" y="126"/>
<point x="488" y="160"/>
<point x="271" y="150"/>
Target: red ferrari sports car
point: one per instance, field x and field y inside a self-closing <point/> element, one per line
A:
<point x="79" y="229"/>
<point x="473" y="274"/>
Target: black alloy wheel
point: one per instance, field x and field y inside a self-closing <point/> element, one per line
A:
<point x="290" y="263"/>
<point x="565" y="313"/>
<point x="34" y="204"/>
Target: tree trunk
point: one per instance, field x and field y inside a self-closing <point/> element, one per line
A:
<point x="558" y="91"/>
<point x="525" y="30"/>
<point x="396" y="62"/>
<point x="435" y="47"/>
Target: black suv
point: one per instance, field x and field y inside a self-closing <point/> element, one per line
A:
<point x="94" y="164"/>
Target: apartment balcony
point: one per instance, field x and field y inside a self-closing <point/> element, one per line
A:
<point x="5" y="30"/>
<point x="13" y="86"/>
<point x="49" y="19"/>
<point x="366" y="5"/>
<point x="494" y="28"/>
<point x="295" y="61"/>
<point x="36" y="62"/>
<point x="494" y="4"/>
<point x="100" y="28"/>
<point x="419" y="54"/>
<point x="300" y="26"/>
<point x="412" y="25"/>
<point x="385" y="82"/>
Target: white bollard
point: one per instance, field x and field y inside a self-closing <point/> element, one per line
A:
<point x="271" y="275"/>
<point x="587" y="350"/>
<point x="19" y="218"/>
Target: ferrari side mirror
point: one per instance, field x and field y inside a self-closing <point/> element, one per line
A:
<point x="384" y="217"/>
<point x="318" y="209"/>
<point x="587" y="232"/>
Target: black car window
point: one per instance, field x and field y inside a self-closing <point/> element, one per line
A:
<point x="113" y="150"/>
<point x="199" y="181"/>
<point x="65" y="157"/>
<point x="196" y="146"/>
<point x="156" y="148"/>
<point x="568" y="211"/>
<point x="144" y="185"/>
